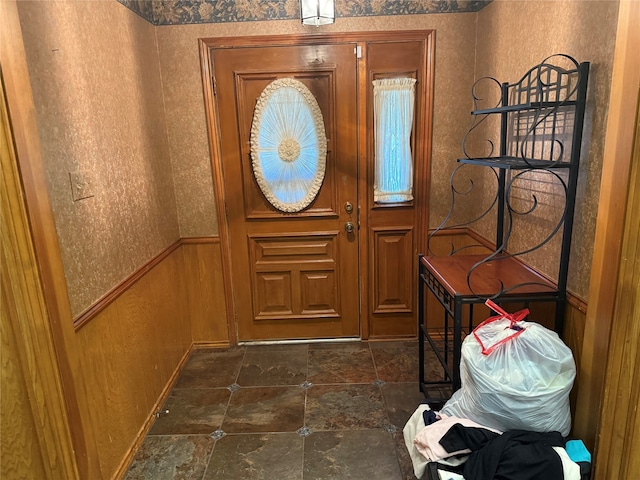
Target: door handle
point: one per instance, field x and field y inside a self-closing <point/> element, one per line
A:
<point x="348" y="227"/>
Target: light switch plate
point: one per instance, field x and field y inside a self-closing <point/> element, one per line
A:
<point x="82" y="184"/>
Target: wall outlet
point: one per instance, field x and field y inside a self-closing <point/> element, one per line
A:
<point x="82" y="184"/>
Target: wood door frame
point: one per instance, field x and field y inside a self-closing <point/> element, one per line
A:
<point x="422" y="173"/>
<point x="45" y="337"/>
<point x="617" y="158"/>
<point x="619" y="436"/>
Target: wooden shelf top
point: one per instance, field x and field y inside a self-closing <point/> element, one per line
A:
<point x="451" y="272"/>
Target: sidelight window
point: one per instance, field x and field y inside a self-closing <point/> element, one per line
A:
<point x="393" y="106"/>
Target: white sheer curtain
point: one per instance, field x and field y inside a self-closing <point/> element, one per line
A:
<point x="393" y="106"/>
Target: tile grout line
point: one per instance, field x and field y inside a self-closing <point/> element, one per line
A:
<point x="224" y="415"/>
<point x="386" y="412"/>
<point x="373" y="360"/>
<point x="385" y="405"/>
<point x="304" y="413"/>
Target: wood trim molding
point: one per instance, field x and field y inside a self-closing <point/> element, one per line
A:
<point x="218" y="184"/>
<point x="365" y="330"/>
<point x="577" y="302"/>
<point x="618" y="437"/>
<point x="44" y="238"/>
<point x="465" y="231"/>
<point x="95" y="309"/>
<point x="25" y="323"/>
<point x="199" y="240"/>
<point x="210" y="345"/>
<point x="610" y="222"/>
<point x="108" y="298"/>
<point x="423" y="169"/>
<point x="312" y="39"/>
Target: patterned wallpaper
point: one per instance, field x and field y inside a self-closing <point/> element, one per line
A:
<point x="182" y="12"/>
<point x="99" y="103"/>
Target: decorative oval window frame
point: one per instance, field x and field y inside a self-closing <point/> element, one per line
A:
<point x="289" y="149"/>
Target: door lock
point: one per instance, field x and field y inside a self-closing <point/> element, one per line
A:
<point x="348" y="207"/>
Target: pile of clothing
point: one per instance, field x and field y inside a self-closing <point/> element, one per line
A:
<point x="468" y="450"/>
<point x="511" y="416"/>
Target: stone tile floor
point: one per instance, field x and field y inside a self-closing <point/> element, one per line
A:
<point x="287" y="412"/>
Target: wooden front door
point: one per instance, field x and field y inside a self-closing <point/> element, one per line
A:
<point x="294" y="275"/>
<point x="302" y="275"/>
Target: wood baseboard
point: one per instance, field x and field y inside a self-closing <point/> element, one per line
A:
<point x="144" y="430"/>
<point x="218" y="344"/>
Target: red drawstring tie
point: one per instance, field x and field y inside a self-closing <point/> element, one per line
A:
<point x="513" y="319"/>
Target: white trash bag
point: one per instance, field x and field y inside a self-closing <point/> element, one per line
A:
<point x="515" y="375"/>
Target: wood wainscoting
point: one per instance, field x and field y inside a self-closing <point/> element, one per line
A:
<point x="205" y="285"/>
<point x="134" y="347"/>
<point x="131" y="351"/>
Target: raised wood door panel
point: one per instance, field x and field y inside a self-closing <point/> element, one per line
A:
<point x="392" y="292"/>
<point x="293" y="275"/>
<point x="397" y="232"/>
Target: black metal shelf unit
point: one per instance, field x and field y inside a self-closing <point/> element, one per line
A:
<point x="541" y="122"/>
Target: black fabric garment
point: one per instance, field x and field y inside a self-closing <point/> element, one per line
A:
<point x="514" y="455"/>
<point x="429" y="417"/>
<point x="459" y="437"/>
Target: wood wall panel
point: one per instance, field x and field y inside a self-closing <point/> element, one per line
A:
<point x="21" y="451"/>
<point x="617" y="442"/>
<point x="205" y="288"/>
<point x="23" y="436"/>
<point x="617" y="160"/>
<point x="131" y="351"/>
<point x="573" y="336"/>
<point x="43" y="239"/>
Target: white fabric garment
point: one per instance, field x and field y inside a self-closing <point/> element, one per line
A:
<point x="450" y="476"/>
<point x="411" y="428"/>
<point x="570" y="469"/>
<point x="393" y="107"/>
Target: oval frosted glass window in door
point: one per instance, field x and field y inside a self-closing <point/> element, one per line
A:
<point x="288" y="145"/>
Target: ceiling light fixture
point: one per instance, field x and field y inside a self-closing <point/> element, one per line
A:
<point x="317" y="12"/>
